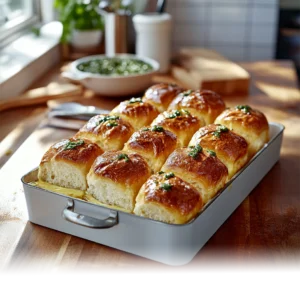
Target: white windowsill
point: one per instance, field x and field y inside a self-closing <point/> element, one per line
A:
<point x="27" y="58"/>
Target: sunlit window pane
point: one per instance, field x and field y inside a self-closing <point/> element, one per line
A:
<point x="11" y="10"/>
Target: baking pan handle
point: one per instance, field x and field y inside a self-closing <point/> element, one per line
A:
<point x="71" y="216"/>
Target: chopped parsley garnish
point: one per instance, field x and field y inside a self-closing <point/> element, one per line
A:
<point x="166" y="186"/>
<point x="195" y="150"/>
<point x="157" y="128"/>
<point x="136" y="100"/>
<point x="107" y="118"/>
<point x="111" y="124"/>
<point x="186" y="111"/>
<point x="211" y="152"/>
<point x="169" y="175"/>
<point x="145" y="129"/>
<point x="174" y="115"/>
<point x="161" y="172"/>
<point x="187" y="93"/>
<point x="246" y="109"/>
<point x="71" y="145"/>
<point x="220" y="129"/>
<point x="123" y="156"/>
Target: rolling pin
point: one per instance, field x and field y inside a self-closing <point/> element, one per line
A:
<point x="41" y="95"/>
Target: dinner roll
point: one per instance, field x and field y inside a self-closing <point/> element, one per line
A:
<point x="167" y="198"/>
<point x="203" y="171"/>
<point x="108" y="132"/>
<point x="160" y="95"/>
<point x="116" y="177"/>
<point x="205" y="104"/>
<point x="218" y="140"/>
<point x="154" y="144"/>
<point x="181" y="123"/>
<point x="68" y="162"/>
<point x="136" y="112"/>
<point x="250" y="123"/>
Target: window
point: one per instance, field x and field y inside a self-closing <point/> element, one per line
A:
<point x="15" y="16"/>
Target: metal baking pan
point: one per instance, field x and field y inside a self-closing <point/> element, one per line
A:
<point x="166" y="243"/>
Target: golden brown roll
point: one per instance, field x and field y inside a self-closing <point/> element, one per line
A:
<point x="181" y="123"/>
<point x="205" y="104"/>
<point x="154" y="144"/>
<point x="249" y="123"/>
<point x="203" y="171"/>
<point x="136" y="112"/>
<point x="108" y="132"/>
<point x="160" y="95"/>
<point x="68" y="162"/>
<point x="218" y="140"/>
<point x="167" y="198"/>
<point x="116" y="177"/>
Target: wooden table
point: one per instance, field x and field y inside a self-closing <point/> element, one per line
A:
<point x="266" y="227"/>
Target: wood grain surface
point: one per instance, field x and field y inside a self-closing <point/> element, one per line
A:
<point x="265" y="228"/>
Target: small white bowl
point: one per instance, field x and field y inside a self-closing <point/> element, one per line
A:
<point x="112" y="85"/>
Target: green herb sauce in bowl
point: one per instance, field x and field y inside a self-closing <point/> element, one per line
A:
<point x="115" y="66"/>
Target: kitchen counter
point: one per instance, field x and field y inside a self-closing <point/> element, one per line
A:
<point x="264" y="228"/>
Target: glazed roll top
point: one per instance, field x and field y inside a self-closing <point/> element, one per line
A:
<point x="167" y="198"/>
<point x="181" y="122"/>
<point x="116" y="177"/>
<point x="67" y="163"/>
<point x="249" y="123"/>
<point x="205" y="104"/>
<point x="160" y="95"/>
<point x="108" y="132"/>
<point x="154" y="144"/>
<point x="137" y="112"/>
<point x="221" y="142"/>
<point x="203" y="171"/>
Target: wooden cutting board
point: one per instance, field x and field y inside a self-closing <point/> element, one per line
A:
<point x="199" y="68"/>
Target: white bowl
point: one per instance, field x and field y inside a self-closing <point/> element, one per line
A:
<point x="112" y="85"/>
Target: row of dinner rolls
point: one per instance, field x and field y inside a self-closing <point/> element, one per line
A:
<point x="155" y="156"/>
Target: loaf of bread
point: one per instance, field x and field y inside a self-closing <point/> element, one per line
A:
<point x="167" y="198"/>
<point x="249" y="123"/>
<point x="161" y="95"/>
<point x="137" y="112"/>
<point x="219" y="141"/>
<point x="116" y="177"/>
<point x="154" y="144"/>
<point x="68" y="162"/>
<point x="205" y="104"/>
<point x="108" y="132"/>
<point x="181" y="122"/>
<point x="203" y="171"/>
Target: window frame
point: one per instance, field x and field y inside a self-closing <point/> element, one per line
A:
<point x="15" y="28"/>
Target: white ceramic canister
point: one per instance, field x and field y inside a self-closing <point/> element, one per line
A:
<point x="153" y="37"/>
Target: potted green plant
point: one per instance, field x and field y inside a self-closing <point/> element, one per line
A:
<point x="82" y="25"/>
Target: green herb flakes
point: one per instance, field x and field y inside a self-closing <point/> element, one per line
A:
<point x="157" y="128"/>
<point x="111" y="124"/>
<point x="107" y="118"/>
<point x="169" y="175"/>
<point x="246" y="109"/>
<point x="161" y="172"/>
<point x="211" y="152"/>
<point x="174" y="115"/>
<point x="187" y="93"/>
<point x="123" y="156"/>
<point x="195" y="150"/>
<point x="220" y="129"/>
<point x="135" y="100"/>
<point x="165" y="186"/>
<point x="145" y="129"/>
<point x="71" y="145"/>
